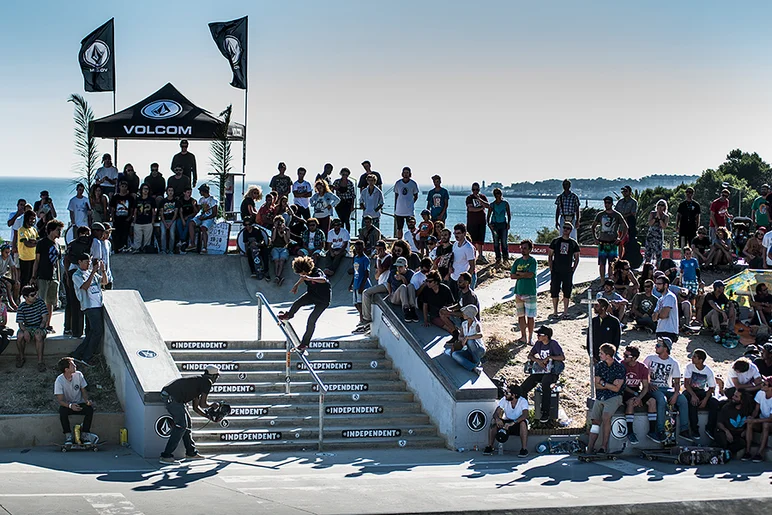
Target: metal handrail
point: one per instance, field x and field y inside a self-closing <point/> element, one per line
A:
<point x="291" y="340"/>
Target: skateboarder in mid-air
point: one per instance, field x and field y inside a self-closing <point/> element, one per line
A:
<point x="609" y="384"/>
<point x="318" y="294"/>
<point x="71" y="395"/>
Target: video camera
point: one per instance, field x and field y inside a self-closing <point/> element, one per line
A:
<point x="218" y="411"/>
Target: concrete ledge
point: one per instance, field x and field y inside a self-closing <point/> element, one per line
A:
<point x="54" y="346"/>
<point x="35" y="430"/>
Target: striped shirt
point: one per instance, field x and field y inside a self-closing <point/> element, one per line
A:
<point x="31" y="315"/>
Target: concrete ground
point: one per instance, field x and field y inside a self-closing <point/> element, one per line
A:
<point x="116" y="481"/>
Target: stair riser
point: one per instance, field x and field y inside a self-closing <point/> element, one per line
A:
<point x="265" y="423"/>
<point x="335" y="398"/>
<point x="333" y="411"/>
<point x="346" y="376"/>
<point x="277" y="355"/>
<point x="259" y="366"/>
<point x="360" y="433"/>
<point x="309" y="446"/>
<point x="308" y="387"/>
<point x="273" y="345"/>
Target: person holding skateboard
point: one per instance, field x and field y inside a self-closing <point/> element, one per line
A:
<point x="609" y="384"/>
<point x="71" y="395"/>
<point x="318" y="295"/>
<point x="665" y="387"/>
<point x="510" y="418"/>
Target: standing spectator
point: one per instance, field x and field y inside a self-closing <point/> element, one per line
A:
<point x="73" y="316"/>
<point x="609" y="384"/>
<point x="546" y="363"/>
<point x="281" y="183"/>
<point x="280" y="238"/>
<point x="168" y="215"/>
<point x="371" y="201"/>
<point x="655" y="238"/>
<point x="563" y="258"/>
<point x="687" y="218"/>
<point x="266" y="212"/>
<point x="628" y="208"/>
<point x="156" y="182"/>
<point x="46" y="268"/>
<point x="301" y="194"/>
<point x="131" y="178"/>
<point x="425" y="230"/>
<point x="524" y="272"/>
<point x="317" y="295"/>
<point x="369" y="234"/>
<point x="256" y="245"/>
<point x="15" y="221"/>
<point x="27" y="241"/>
<point x="187" y="162"/>
<point x="346" y="191"/>
<point x="437" y="200"/>
<point x="613" y="229"/>
<point x="107" y="176"/>
<point x="411" y="236"/>
<point x="760" y="421"/>
<point x="322" y="204"/>
<point x="248" y="208"/>
<point x="32" y="317"/>
<point x="444" y="259"/>
<point x="204" y="219"/>
<point x="719" y="213"/>
<point x="434" y="297"/>
<point x="88" y="287"/>
<point x="636" y="393"/>
<point x="730" y="433"/>
<point x="99" y="204"/>
<point x="690" y="273"/>
<point x="476" y="204"/>
<point x="79" y="208"/>
<point x="472" y="346"/>
<point x="499" y="218"/>
<point x="45" y="210"/>
<point x="363" y="178"/>
<point x="567" y="208"/>
<point x="643" y="307"/>
<point x="179" y="182"/>
<point x="665" y="387"/>
<point x="699" y="389"/>
<point x="123" y="208"/>
<point x="105" y="253"/>
<point x="605" y="329"/>
<point x="760" y="208"/>
<point x="143" y="219"/>
<point x="325" y="175"/>
<point x="361" y="267"/>
<point x="463" y="258"/>
<point x="313" y="240"/>
<point x="717" y="311"/>
<point x="9" y="286"/>
<point x="337" y="247"/>
<point x="405" y="196"/>
<point x="666" y="312"/>
<point x="754" y="251"/>
<point x="187" y="208"/>
<point x="701" y="245"/>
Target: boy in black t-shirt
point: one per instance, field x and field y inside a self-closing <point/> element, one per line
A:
<point x="122" y="208"/>
<point x="187" y="207"/>
<point x="45" y="271"/>
<point x="701" y="245"/>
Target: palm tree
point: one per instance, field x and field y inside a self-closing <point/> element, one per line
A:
<point x="85" y="143"/>
<point x="220" y="156"/>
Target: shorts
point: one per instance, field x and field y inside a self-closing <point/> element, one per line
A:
<point x="476" y="232"/>
<point x="626" y="396"/>
<point x="48" y="290"/>
<point x="399" y="221"/>
<point x="514" y="429"/>
<point x="607" y="252"/>
<point x="609" y="406"/>
<point x="561" y="280"/>
<point x="279" y="253"/>
<point x="692" y="286"/>
<point x="33" y="331"/>
<point x="206" y="224"/>
<point x="356" y="296"/>
<point x="526" y="305"/>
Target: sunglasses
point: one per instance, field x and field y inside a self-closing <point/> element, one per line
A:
<point x="627" y="356"/>
<point x="567" y="229"/>
<point x="32" y="295"/>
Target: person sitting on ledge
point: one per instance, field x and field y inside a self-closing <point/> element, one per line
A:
<point x="467" y="297"/>
<point x="759" y="421"/>
<point x="643" y="308"/>
<point x="511" y="418"/>
<point x="471" y="341"/>
<point x="32" y="317"/>
<point x="255" y="245"/>
<point x="609" y="384"/>
<point x="337" y="246"/>
<point x="313" y="240"/>
<point x="546" y="362"/>
<point x="70" y="392"/>
<point x="204" y="220"/>
<point x="400" y="291"/>
<point x="435" y="296"/>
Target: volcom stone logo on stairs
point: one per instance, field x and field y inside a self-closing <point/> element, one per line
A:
<point x="249" y="437"/>
<point x="370" y="433"/>
<point x="343" y="387"/>
<point x="233" y="388"/>
<point x="327" y="365"/>
<point x="199" y="345"/>
<point x="198" y="367"/>
<point x="353" y="410"/>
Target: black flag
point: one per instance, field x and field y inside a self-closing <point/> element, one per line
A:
<point x="231" y="39"/>
<point x="97" y="59"/>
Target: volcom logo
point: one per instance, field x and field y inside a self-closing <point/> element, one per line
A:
<point x="476" y="420"/>
<point x="161" y="109"/>
<point x="233" y="47"/>
<point x="97" y="54"/>
<point x="164" y="426"/>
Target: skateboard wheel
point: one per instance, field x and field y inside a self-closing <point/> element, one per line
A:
<point x="676" y="462"/>
<point x="64" y="449"/>
<point x="650" y="458"/>
<point x="95" y="448"/>
<point x="613" y="458"/>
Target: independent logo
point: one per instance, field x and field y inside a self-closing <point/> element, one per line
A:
<point x="161" y="109"/>
<point x="97" y="54"/>
<point x="233" y="48"/>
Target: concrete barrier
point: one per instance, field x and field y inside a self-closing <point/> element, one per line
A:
<point x="31" y="430"/>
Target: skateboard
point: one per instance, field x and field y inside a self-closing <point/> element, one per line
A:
<point x="562" y="446"/>
<point x="671" y="426"/>
<point x="689" y="455"/>
<point x="587" y="458"/>
<point x="691" y="330"/>
<point x="80" y="446"/>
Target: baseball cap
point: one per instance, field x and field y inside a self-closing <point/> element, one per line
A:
<point x="608" y="198"/>
<point x="545" y="330"/>
<point x="469" y="310"/>
<point x="401" y="261"/>
<point x="751" y="350"/>
<point x="203" y="187"/>
<point x="381" y="243"/>
<point x="97" y="226"/>
<point x="212" y="370"/>
<point x="667" y="342"/>
<point x="718" y="283"/>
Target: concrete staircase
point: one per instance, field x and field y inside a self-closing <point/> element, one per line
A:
<point x="367" y="405"/>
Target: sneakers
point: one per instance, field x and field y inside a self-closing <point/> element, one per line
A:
<point x="362" y="328"/>
<point x="632" y="438"/>
<point x="194" y="457"/>
<point x="89" y="438"/>
<point x="41" y="366"/>
<point x="711" y="433"/>
<point x="68" y="439"/>
<point x="190" y="248"/>
<point x="523" y="453"/>
<point x="757" y="458"/>
<point x="544" y="419"/>
<point x="410" y="314"/>
<point x="654" y="437"/>
<point x="168" y="461"/>
<point x="686" y="435"/>
<point x="746" y="457"/>
<point x="283" y="316"/>
<point x="488" y="451"/>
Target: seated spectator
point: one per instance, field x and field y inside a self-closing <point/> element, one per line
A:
<point x="717" y="311"/>
<point x="466" y="297"/>
<point x="187" y="208"/>
<point x="625" y="283"/>
<point x="336" y="246"/>
<point x="32" y="317"/>
<point x="511" y="418"/>
<point x="701" y="246"/>
<point x="383" y="262"/>
<point x="280" y="239"/>
<point x="248" y="207"/>
<point x="419" y="277"/>
<point x="9" y="287"/>
<point x="605" y="329"/>
<point x="764" y="363"/>
<point x="546" y="362"/>
<point x="721" y="249"/>
<point x="754" y="251"/>
<point x="425" y="230"/>
<point x="400" y="291"/>
<point x="762" y="306"/>
<point x="665" y="387"/>
<point x="266" y="212"/>
<point x="435" y="296"/>
<point x="431" y="248"/>
<point x="168" y="215"/>
<point x="256" y="246"/>
<point x="72" y="397"/>
<point x="313" y="240"/>
<point x="643" y="307"/>
<point x="471" y="342"/>
<point x="668" y="267"/>
<point x="361" y="267"/>
<point x="410" y="235"/>
<point x="730" y="428"/>
<point x="700" y="386"/>
<point x="369" y="234"/>
<point x="636" y="393"/>
<point x="5" y="332"/>
<point x="743" y="376"/>
<point x="760" y="421"/>
<point x="617" y="303"/>
<point x="609" y="383"/>
<point x="204" y="219"/>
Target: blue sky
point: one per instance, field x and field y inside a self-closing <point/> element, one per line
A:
<point x="506" y="91"/>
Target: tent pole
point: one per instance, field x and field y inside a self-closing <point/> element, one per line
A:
<point x="115" y="141"/>
<point x="244" y="148"/>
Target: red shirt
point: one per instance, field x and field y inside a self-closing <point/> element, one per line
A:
<point x="635" y="374"/>
<point x="719" y="208"/>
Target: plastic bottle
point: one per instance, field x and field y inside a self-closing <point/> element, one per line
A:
<point x="501" y="449"/>
<point x="76" y="432"/>
<point x="124" y="437"/>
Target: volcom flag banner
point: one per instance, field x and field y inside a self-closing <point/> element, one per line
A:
<point x="97" y="59"/>
<point x="231" y="39"/>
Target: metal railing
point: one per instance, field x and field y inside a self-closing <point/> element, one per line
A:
<point x="291" y="341"/>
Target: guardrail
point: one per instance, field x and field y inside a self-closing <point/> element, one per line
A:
<point x="291" y="340"/>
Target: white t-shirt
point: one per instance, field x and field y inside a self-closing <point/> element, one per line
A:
<point x="80" y="208"/>
<point x="301" y="187"/>
<point x="700" y="379"/>
<point x="767" y="242"/>
<point x="405" y="192"/>
<point x="18" y="222"/>
<point x="72" y="390"/>
<point x="515" y="413"/>
<point x="409" y="237"/>
<point x="764" y="403"/>
<point x="736" y="378"/>
<point x="109" y="173"/>
<point x="669" y="324"/>
<point x="91" y="298"/>
<point x="462" y="255"/>
<point x="418" y="279"/>
<point x="338" y="240"/>
<point x="207" y="204"/>
<point x="311" y="238"/>
<point x="662" y="371"/>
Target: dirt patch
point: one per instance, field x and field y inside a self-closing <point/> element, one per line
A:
<point x="27" y="391"/>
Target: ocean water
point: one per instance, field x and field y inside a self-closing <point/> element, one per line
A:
<point x="528" y="214"/>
